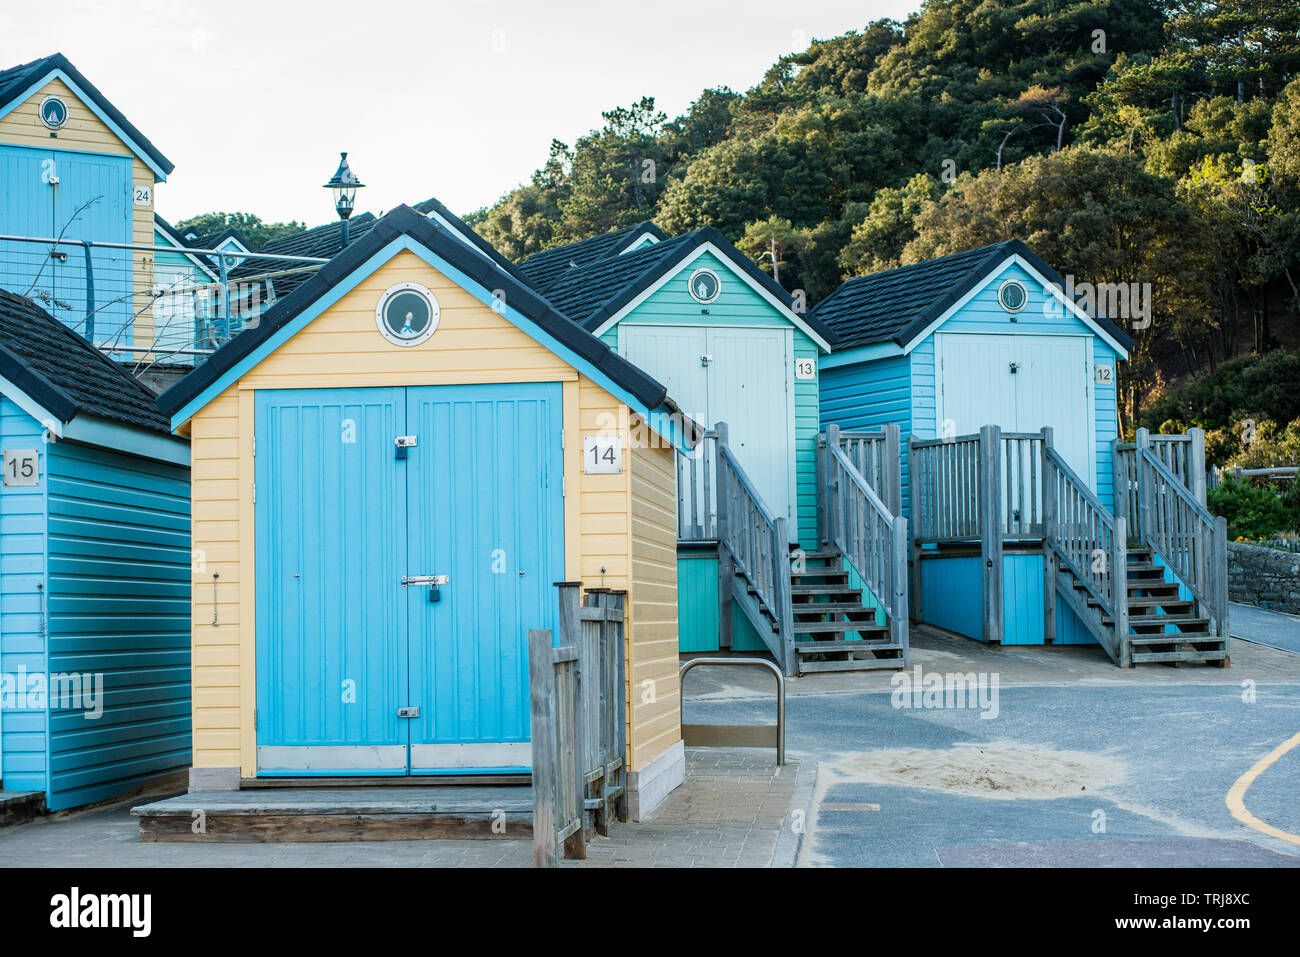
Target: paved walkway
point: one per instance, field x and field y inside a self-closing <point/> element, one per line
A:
<point x="1264" y="627"/>
<point x="730" y="812"/>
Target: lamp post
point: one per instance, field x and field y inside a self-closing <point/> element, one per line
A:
<point x="344" y="186"/>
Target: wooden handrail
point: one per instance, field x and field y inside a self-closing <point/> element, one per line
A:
<point x="1189" y="540"/>
<point x="871" y="538"/>
<point x="756" y="543"/>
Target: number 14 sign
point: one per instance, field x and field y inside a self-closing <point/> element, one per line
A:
<point x="602" y="454"/>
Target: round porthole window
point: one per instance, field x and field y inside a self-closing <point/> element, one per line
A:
<point x="54" y="112"/>
<point x="407" y="314"/>
<point x="705" y="285"/>
<point x="1012" y="295"/>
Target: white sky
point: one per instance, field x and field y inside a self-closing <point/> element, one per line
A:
<point x="254" y="100"/>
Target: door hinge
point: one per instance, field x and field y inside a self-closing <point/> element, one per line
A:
<point x="254" y="445"/>
<point x="255" y="717"/>
<point x="563" y="486"/>
<point x="254" y="493"/>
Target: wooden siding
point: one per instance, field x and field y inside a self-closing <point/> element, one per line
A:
<point x="119" y="595"/>
<point x="86" y="133"/>
<point x="343" y="348"/>
<point x="22" y="581"/>
<point x="869" y="396"/>
<point x="655" y="695"/>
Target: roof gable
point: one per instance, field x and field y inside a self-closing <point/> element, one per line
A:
<point x="65" y="375"/>
<point x="20" y="82"/>
<point x="902" y="305"/>
<point x="403" y="228"/>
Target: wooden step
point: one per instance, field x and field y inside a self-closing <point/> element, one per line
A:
<point x="1175" y="639"/>
<point x="807" y="607"/>
<point x="1141" y="657"/>
<point x="1147" y="621"/>
<point x="882" y="642"/>
<point x="836" y="573"/>
<point x="825" y="590"/>
<point x="811" y="627"/>
<point x="852" y="664"/>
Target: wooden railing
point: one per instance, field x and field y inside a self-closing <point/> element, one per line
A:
<point x="1182" y="455"/>
<point x="1183" y="533"/>
<point x="943" y="478"/>
<point x="578" y="705"/>
<point x="697" y="500"/>
<point x="875" y="453"/>
<point x="756" y="544"/>
<point x="870" y="536"/>
<point x="1092" y="544"/>
<point x="1022" y="456"/>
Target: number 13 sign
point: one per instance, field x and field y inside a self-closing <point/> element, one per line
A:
<point x="602" y="454"/>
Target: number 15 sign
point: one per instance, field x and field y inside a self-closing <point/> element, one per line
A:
<point x="602" y="454"/>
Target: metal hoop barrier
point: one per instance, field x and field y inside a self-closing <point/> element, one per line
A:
<point x="739" y="735"/>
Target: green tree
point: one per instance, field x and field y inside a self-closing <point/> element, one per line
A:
<point x="250" y="226"/>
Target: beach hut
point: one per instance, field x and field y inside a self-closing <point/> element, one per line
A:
<point x="94" y="570"/>
<point x="733" y="347"/>
<point x="74" y="169"/>
<point x="392" y="471"/>
<point x="1001" y="377"/>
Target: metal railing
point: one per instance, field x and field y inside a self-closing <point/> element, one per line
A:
<point x="152" y="304"/>
<point x="578" y="708"/>
<point x="738" y="735"/>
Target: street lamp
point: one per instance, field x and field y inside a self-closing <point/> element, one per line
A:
<point x="344" y="186"/>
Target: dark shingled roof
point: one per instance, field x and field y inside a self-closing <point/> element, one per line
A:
<point x="546" y="268"/>
<point x="16" y="80"/>
<point x="594" y="293"/>
<point x="405" y="221"/>
<point x="898" y="304"/>
<point x="64" y="374"/>
<point x="581" y="292"/>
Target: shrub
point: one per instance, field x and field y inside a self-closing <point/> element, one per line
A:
<point x="1251" y="512"/>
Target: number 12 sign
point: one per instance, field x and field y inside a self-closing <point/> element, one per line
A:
<point x="602" y="454"/>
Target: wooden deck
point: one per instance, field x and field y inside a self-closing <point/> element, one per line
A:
<point x="460" y="812"/>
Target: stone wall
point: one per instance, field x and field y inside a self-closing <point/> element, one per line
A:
<point x="1264" y="576"/>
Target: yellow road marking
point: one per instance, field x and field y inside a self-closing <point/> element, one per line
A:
<point x="1236" y="799"/>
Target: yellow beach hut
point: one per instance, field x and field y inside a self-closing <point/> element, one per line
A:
<point x="390" y="472"/>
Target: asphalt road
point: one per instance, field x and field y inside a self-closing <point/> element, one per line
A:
<point x="1173" y="751"/>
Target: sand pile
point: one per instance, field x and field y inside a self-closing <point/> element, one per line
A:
<point x="999" y="769"/>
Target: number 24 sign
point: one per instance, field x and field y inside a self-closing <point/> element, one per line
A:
<point x="602" y="454"/>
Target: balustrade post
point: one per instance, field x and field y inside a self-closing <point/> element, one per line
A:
<point x="784" y="601"/>
<point x="1196" y="464"/>
<point x="990" y="521"/>
<point x="726" y="568"/>
<point x="1119" y="592"/>
<point x="891" y="468"/>
<point x="1146" y="489"/>
<point x="831" y="488"/>
<point x="916" y="523"/>
<point x="1047" y="475"/>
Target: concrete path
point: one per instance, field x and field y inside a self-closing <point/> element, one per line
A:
<point x="731" y="812"/>
<point x="1119" y="767"/>
<point x="1264" y="627"/>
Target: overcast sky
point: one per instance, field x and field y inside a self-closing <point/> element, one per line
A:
<point x="253" y="100"/>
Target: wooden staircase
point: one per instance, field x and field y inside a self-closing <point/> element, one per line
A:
<point x="833" y="629"/>
<point x="1155" y="606"/>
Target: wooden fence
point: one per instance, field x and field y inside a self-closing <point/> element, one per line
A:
<point x="578" y="704"/>
<point x="1182" y="455"/>
<point x="877" y="456"/>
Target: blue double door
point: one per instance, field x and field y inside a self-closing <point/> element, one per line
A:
<point x="406" y="541"/>
<point x="59" y="194"/>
